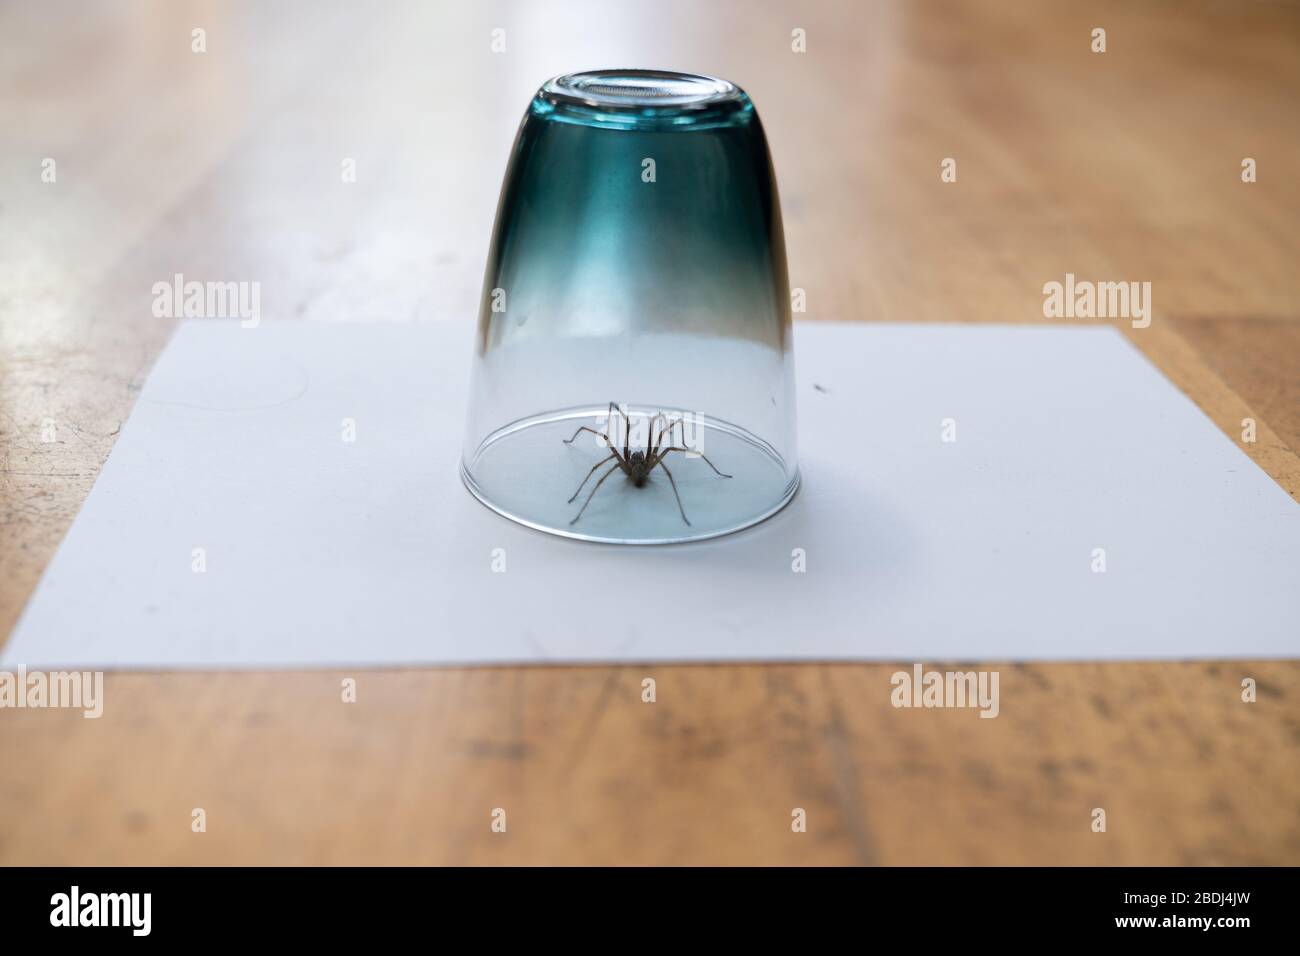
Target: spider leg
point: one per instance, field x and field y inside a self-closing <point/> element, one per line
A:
<point x="610" y="414"/>
<point x="584" y="428"/>
<point x="673" y="482"/>
<point x="613" y="455"/>
<point x="668" y="431"/>
<point x="666" y="435"/>
<point x="689" y="452"/>
<point x="653" y="439"/>
<point x="627" y="431"/>
<point x="612" y="468"/>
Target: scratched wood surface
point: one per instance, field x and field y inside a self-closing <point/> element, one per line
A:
<point x="226" y="165"/>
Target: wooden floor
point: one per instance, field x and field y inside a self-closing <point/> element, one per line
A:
<point x="1121" y="165"/>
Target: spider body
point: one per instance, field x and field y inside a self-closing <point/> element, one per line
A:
<point x="636" y="465"/>
<point x="638" y="468"/>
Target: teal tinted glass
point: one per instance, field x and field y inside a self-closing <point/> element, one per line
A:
<point x="637" y="260"/>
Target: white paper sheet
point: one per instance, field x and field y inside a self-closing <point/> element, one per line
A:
<point x="323" y="552"/>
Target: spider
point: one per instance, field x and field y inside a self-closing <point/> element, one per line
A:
<point x="637" y="465"/>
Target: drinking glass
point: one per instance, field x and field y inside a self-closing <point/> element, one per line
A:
<point x="633" y="377"/>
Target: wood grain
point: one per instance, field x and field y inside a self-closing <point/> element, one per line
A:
<point x="226" y="165"/>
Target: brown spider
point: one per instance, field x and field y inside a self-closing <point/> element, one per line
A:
<point x="637" y="465"/>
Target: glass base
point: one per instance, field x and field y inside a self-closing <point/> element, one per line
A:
<point x="527" y="473"/>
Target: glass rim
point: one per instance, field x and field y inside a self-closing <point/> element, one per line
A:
<point x="642" y="98"/>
